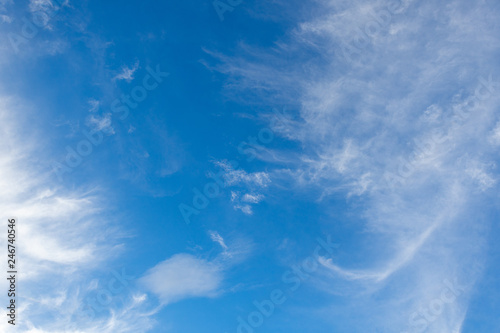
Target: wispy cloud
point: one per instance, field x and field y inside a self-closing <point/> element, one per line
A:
<point x="245" y="202"/>
<point x="422" y="114"/>
<point x="101" y="123"/>
<point x="64" y="234"/>
<point x="44" y="11"/>
<point x="6" y="18"/>
<point x="241" y="177"/>
<point x="127" y="73"/>
<point x="253" y="183"/>
<point x="214" y="235"/>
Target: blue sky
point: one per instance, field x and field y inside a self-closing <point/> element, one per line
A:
<point x="256" y="166"/>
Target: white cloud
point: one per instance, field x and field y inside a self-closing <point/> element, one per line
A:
<point x="247" y="209"/>
<point x="64" y="234"/>
<point x="183" y="276"/>
<point x="44" y="11"/>
<point x="244" y="202"/>
<point x="252" y="198"/>
<point x="241" y="177"/>
<point x="102" y="123"/>
<point x="253" y="182"/>
<point x="214" y="235"/>
<point x="127" y="73"/>
<point x="54" y="221"/>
